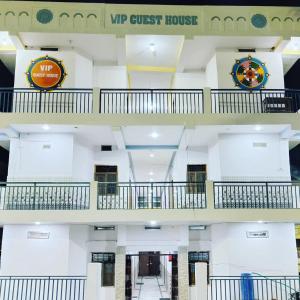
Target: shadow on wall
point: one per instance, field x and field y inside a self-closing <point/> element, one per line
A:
<point x="295" y="163"/>
<point x="291" y="78"/>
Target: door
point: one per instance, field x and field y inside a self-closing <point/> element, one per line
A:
<point x="149" y="264"/>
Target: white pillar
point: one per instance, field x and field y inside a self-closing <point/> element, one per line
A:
<point x="183" y="273"/>
<point x="201" y="280"/>
<point x="93" y="282"/>
<point x="120" y="269"/>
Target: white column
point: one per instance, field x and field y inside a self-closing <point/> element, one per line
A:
<point x="183" y="273"/>
<point x="201" y="281"/>
<point x="120" y="269"/>
<point x="93" y="282"/>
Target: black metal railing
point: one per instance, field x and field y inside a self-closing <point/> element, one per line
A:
<point x="44" y="196"/>
<point x="144" y="101"/>
<point x="257" y="194"/>
<point x="258" y="101"/>
<point x="155" y="195"/>
<point x="26" y="100"/>
<point x="255" y="287"/>
<point x="42" y="288"/>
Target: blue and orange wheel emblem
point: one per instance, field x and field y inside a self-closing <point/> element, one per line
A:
<point x="250" y="73"/>
<point x="46" y="73"/>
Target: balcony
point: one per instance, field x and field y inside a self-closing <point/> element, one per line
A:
<point x="44" y="196"/>
<point x="254" y="287"/>
<point x="146" y="196"/>
<point x="229" y="101"/>
<point x="42" y="287"/>
<point x="62" y="101"/>
<point x="142" y="201"/>
<point x="158" y="195"/>
<point x="269" y="195"/>
<point x="148" y="102"/>
<point x="151" y="101"/>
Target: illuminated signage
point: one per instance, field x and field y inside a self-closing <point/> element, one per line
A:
<point x="46" y="73"/>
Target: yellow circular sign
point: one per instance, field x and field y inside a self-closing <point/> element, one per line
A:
<point x="46" y="73"/>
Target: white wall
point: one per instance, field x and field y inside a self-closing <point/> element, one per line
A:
<point x="23" y="256"/>
<point x="189" y="81"/>
<point x="214" y="164"/>
<point x="184" y="158"/>
<point x="110" y="77"/>
<point x="112" y="158"/>
<point x="83" y="162"/>
<point x="211" y="73"/>
<point x="240" y="158"/>
<point x="78" y="250"/>
<point x="59" y="157"/>
<point x="233" y="253"/>
<point x="78" y="68"/>
<point x="41" y="157"/>
<point x="218" y="69"/>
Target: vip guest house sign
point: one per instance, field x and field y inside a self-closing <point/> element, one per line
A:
<point x="46" y="73"/>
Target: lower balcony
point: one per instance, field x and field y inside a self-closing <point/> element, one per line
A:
<point x="267" y="195"/>
<point x="158" y="195"/>
<point x="95" y="202"/>
<point x="42" y="287"/>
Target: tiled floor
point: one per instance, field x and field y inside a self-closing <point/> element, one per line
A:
<point x="150" y="289"/>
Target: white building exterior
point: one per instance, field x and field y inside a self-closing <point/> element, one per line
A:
<point x="147" y="173"/>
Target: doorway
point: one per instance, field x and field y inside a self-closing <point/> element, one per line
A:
<point x="151" y="276"/>
<point x="149" y="264"/>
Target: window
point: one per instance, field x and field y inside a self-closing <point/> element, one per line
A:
<point x="107" y="176"/>
<point x="194" y="257"/>
<point x="108" y="267"/>
<point x="196" y="176"/>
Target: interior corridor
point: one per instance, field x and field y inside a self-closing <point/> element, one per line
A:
<point x="151" y="288"/>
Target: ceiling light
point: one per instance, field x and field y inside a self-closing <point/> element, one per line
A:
<point x="151" y="173"/>
<point x="258" y="128"/>
<point x="260" y="222"/>
<point x="46" y="127"/>
<point x="153" y="223"/>
<point x="37" y="223"/>
<point x="151" y="154"/>
<point x="154" y="135"/>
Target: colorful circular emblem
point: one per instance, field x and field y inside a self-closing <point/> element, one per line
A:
<point x="46" y="73"/>
<point x="250" y="73"/>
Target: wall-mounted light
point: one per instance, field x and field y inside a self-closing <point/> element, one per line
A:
<point x="197" y="227"/>
<point x="46" y="127"/>
<point x="101" y="228"/>
<point x="154" y="135"/>
<point x="152" y="47"/>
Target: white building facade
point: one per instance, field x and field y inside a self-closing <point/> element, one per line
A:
<point x="142" y="163"/>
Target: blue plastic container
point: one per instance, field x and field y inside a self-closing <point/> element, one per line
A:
<point x="247" y="286"/>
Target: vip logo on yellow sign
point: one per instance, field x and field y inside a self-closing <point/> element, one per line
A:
<point x="46" y="73"/>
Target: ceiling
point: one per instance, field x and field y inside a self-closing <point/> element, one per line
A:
<point x="153" y="50"/>
<point x="151" y="148"/>
<point x="154" y="57"/>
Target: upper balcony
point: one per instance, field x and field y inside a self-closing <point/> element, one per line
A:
<point x="203" y="106"/>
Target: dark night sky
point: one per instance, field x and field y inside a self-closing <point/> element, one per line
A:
<point x="195" y="2"/>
